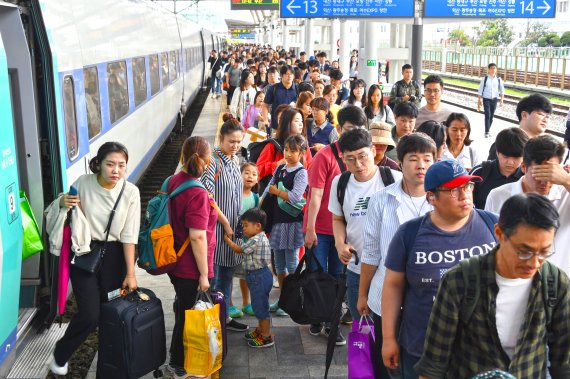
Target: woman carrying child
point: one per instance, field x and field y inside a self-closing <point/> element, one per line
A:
<point x="288" y="185"/>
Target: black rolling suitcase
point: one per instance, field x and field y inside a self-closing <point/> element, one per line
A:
<point x="132" y="338"/>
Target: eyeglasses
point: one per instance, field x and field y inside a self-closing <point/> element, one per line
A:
<point x="454" y="192"/>
<point x="526" y="255"/>
<point x="361" y="158"/>
<point x="430" y="91"/>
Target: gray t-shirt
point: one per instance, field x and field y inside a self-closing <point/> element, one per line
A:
<point x="235" y="74"/>
<point x="425" y="115"/>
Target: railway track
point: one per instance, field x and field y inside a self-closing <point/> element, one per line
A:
<point x="559" y="110"/>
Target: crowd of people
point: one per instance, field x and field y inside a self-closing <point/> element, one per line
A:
<point x="399" y="194"/>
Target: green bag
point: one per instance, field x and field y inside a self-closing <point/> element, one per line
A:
<point x="292" y="209"/>
<point x="32" y="236"/>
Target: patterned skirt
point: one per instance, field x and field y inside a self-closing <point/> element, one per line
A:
<point x="287" y="236"/>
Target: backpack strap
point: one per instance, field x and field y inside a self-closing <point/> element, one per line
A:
<point x="341" y="186"/>
<point x="486" y="168"/>
<point x="411" y="232"/>
<point x="218" y="165"/>
<point x="256" y="200"/>
<point x="550" y="283"/>
<point x="471" y="157"/>
<point x="490" y="220"/>
<point x="184" y="186"/>
<point x="484" y="85"/>
<point x="472" y="286"/>
<point x="387" y="176"/>
<point x="341" y="164"/>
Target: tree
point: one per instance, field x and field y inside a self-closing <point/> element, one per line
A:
<point x="550" y="40"/>
<point x="565" y="39"/>
<point x="495" y="33"/>
<point x="534" y="30"/>
<point x="460" y="35"/>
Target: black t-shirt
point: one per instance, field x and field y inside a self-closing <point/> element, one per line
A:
<point x="492" y="178"/>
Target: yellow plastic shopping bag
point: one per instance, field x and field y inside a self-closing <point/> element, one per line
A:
<point x="202" y="341"/>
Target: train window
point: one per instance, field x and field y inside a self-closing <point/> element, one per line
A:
<point x="71" y="137"/>
<point x="172" y="63"/>
<point x="164" y="71"/>
<point x="118" y="90"/>
<point x="139" y="80"/>
<point x="154" y="74"/>
<point x="188" y="59"/>
<point x="92" y="101"/>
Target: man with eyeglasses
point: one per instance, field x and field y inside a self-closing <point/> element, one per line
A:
<point x="518" y="319"/>
<point x="544" y="175"/>
<point x="433" y="110"/>
<point x="317" y="223"/>
<point x="420" y="252"/>
<point x="533" y="113"/>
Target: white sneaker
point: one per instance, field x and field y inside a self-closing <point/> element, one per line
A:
<point x="213" y="96"/>
<point x="57" y="370"/>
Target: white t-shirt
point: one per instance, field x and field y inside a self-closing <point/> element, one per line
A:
<point x="355" y="208"/>
<point x="414" y="207"/>
<point x="561" y="200"/>
<point x="464" y="157"/>
<point x="512" y="301"/>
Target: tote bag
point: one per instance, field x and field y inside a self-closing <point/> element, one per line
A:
<point x="32" y="235"/>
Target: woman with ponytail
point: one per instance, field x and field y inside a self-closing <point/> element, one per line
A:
<point x="96" y="196"/>
<point x="223" y="180"/>
<point x="192" y="213"/>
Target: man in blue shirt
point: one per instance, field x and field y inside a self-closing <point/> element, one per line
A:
<point x="490" y="90"/>
<point x="280" y="93"/>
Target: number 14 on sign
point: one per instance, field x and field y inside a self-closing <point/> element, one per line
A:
<point x="528" y="6"/>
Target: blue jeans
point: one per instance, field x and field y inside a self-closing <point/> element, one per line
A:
<point x="216" y="85"/>
<point x="489" y="107"/>
<point x="223" y="278"/>
<point x="326" y="254"/>
<point x="352" y="285"/>
<point x="260" y="283"/>
<point x="407" y="362"/>
<point x="286" y="260"/>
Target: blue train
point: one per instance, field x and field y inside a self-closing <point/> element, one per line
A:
<point x="73" y="75"/>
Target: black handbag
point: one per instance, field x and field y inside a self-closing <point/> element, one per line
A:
<point x="309" y="296"/>
<point x="91" y="262"/>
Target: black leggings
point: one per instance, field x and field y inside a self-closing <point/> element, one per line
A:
<point x="186" y="291"/>
<point x="90" y="291"/>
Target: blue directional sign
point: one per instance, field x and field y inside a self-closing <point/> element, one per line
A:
<point x="490" y="8"/>
<point x="346" y="8"/>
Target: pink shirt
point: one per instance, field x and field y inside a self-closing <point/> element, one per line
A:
<point x="191" y="209"/>
<point x="322" y="171"/>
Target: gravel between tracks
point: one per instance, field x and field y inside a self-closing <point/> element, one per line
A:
<point x="81" y="360"/>
<point x="557" y="123"/>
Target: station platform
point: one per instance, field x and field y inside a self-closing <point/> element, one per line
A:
<point x="296" y="354"/>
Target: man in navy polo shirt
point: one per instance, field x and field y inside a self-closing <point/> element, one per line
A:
<point x="280" y="93"/>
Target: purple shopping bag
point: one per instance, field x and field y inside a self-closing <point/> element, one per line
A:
<point x="361" y="349"/>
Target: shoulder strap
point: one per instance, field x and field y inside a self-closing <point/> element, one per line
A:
<point x="471" y="156"/>
<point x="341" y="164"/>
<point x="490" y="220"/>
<point x="278" y="146"/>
<point x="256" y="199"/>
<point x="411" y="232"/>
<point x="184" y="186"/>
<point x="341" y="186"/>
<point x="386" y="174"/>
<point x="486" y="167"/>
<point x="218" y="166"/>
<point x="484" y="85"/>
<point x="112" y="215"/>
<point x="549" y="277"/>
<point x="472" y="286"/>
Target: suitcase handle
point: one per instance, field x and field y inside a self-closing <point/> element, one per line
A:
<point x="136" y="295"/>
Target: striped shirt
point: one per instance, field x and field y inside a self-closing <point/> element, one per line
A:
<point x="227" y="190"/>
<point x="385" y="215"/>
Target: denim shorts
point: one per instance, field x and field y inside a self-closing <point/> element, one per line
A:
<point x="260" y="283"/>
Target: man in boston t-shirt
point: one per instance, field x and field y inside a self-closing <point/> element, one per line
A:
<point x="453" y="231"/>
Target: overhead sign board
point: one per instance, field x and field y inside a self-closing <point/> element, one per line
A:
<point x="490" y="8"/>
<point x="242" y="34"/>
<point x="346" y="8"/>
<point x="237" y="5"/>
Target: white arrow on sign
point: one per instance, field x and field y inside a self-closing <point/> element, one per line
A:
<point x="546" y="7"/>
<point x="290" y="6"/>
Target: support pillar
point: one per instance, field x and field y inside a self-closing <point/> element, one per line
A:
<point x="368" y="53"/>
<point x="344" y="59"/>
<point x="335" y="35"/>
<point x="309" y="39"/>
<point x="285" y="34"/>
<point x="417" y="47"/>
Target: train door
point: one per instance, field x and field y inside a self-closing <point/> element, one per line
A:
<point x="203" y="58"/>
<point x="10" y="219"/>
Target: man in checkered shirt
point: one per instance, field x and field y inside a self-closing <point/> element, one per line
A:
<point x="508" y="328"/>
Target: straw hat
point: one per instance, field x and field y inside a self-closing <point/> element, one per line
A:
<point x="381" y="134"/>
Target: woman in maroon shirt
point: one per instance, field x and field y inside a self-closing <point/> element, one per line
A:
<point x="192" y="215"/>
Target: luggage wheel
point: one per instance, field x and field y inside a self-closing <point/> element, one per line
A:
<point x="157" y="373"/>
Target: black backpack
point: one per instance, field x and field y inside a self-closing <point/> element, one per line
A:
<point x="385" y="173"/>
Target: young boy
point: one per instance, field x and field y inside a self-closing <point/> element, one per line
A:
<point x="257" y="256"/>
